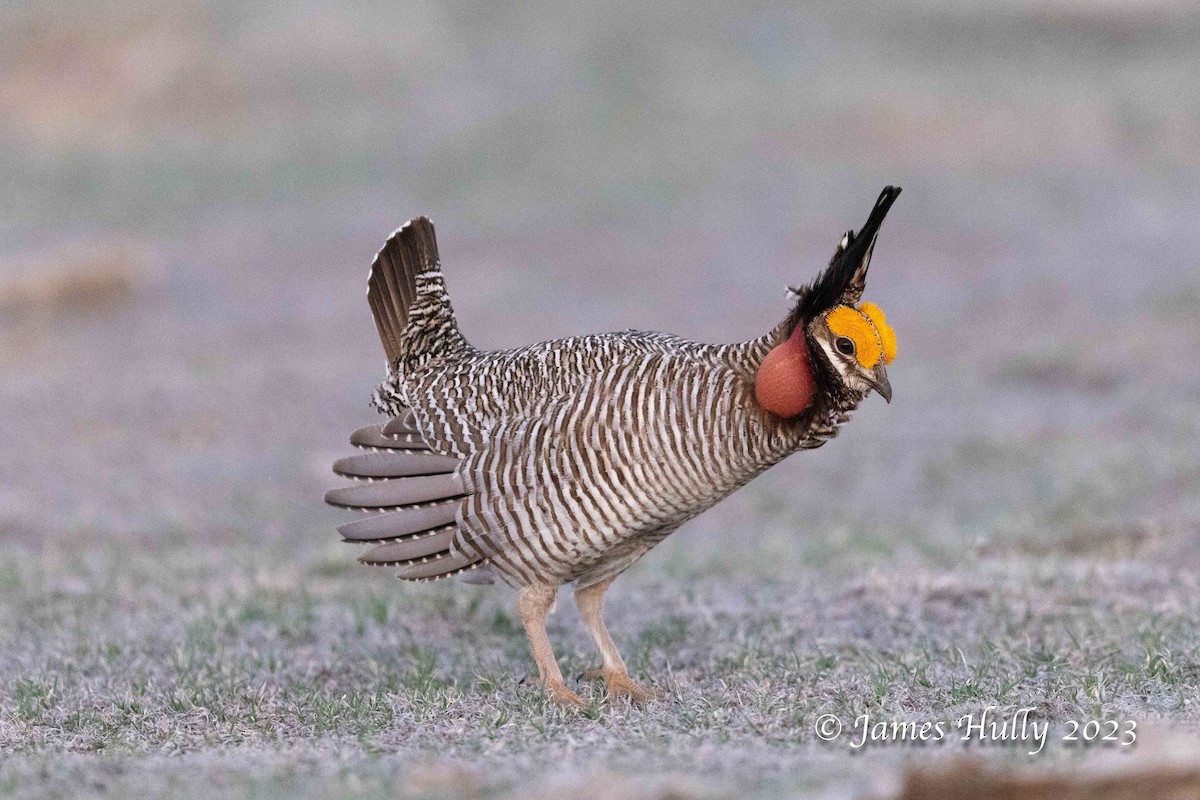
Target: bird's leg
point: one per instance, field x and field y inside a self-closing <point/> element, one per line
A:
<point x="590" y="600"/>
<point x="533" y="606"/>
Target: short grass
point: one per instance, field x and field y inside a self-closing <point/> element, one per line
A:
<point x="319" y="678"/>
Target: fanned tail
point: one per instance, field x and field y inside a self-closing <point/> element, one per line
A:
<point x="409" y="301"/>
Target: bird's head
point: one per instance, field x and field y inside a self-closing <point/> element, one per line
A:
<point x="859" y="344"/>
<point x="830" y="326"/>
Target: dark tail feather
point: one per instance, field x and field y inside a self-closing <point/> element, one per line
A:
<point x="408" y="297"/>
<point x="384" y="322"/>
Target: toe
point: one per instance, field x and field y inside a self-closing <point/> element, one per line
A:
<point x="560" y="694"/>
<point x="642" y="695"/>
<point x="621" y="685"/>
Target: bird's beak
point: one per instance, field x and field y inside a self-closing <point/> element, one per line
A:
<point x="878" y="381"/>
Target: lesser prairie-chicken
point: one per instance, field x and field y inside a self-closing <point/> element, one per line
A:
<point x="566" y="461"/>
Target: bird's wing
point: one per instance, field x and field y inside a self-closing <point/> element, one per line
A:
<point x="411" y="495"/>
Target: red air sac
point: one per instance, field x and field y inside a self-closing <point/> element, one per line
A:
<point x="784" y="384"/>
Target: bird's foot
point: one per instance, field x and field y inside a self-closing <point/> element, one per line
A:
<point x="559" y="693"/>
<point x="619" y="684"/>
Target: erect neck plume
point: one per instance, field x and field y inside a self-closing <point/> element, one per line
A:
<point x="784" y="384"/>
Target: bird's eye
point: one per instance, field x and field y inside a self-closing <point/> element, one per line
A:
<point x="845" y="345"/>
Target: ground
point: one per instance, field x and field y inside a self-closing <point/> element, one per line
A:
<point x="185" y="347"/>
<point x="140" y="670"/>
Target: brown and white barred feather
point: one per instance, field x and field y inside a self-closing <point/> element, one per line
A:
<point x="562" y="461"/>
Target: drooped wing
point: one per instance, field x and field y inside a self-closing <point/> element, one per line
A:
<point x="411" y="495"/>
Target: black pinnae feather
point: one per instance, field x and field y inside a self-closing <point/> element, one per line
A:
<point x="848" y="266"/>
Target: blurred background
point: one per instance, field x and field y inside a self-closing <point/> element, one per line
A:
<point x="191" y="194"/>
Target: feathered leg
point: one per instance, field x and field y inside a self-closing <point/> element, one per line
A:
<point x="590" y="600"/>
<point x="533" y="606"/>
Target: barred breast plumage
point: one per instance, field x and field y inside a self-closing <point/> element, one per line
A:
<point x="568" y="460"/>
